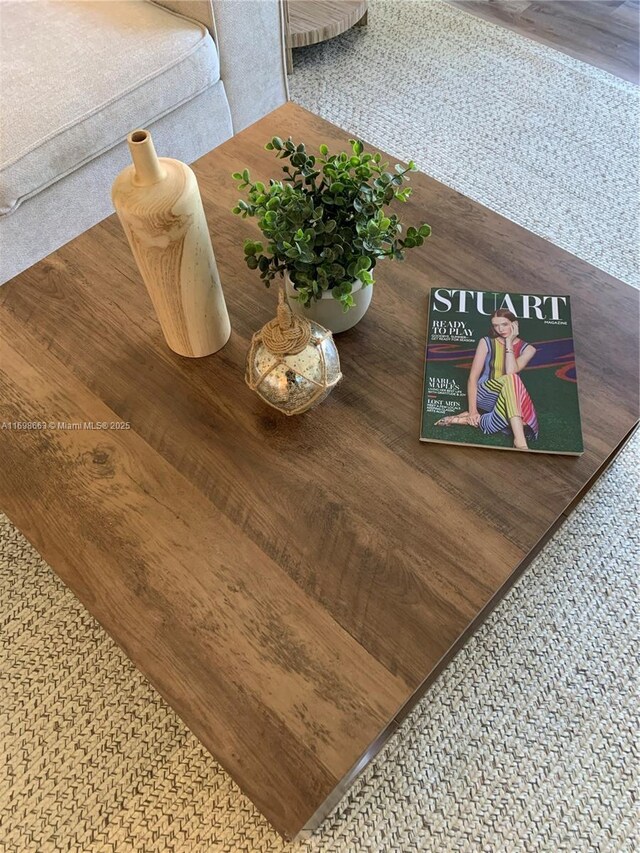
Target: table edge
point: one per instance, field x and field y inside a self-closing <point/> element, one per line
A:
<point x="419" y="693"/>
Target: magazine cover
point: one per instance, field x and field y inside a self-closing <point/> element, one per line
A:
<point x="500" y="372"/>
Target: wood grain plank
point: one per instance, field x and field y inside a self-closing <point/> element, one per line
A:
<point x="604" y="33"/>
<point x="215" y="626"/>
<point x="223" y="443"/>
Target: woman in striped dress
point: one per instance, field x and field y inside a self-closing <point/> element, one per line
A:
<point x="498" y="400"/>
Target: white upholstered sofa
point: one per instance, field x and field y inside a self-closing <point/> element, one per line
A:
<point x="76" y="77"/>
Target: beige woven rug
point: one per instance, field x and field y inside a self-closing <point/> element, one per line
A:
<point x="528" y="741"/>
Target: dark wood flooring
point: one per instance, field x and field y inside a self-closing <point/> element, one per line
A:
<point x="604" y="33"/>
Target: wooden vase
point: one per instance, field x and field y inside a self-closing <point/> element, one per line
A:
<point x="158" y="203"/>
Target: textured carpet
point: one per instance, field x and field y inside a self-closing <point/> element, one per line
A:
<point x="536" y="135"/>
<point x="527" y="742"/>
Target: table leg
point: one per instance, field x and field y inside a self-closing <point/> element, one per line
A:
<point x="288" y="50"/>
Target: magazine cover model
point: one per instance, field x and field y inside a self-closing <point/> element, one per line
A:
<point x="500" y="372"/>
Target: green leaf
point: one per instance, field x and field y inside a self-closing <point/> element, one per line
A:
<point x="403" y="195"/>
<point x="330" y="232"/>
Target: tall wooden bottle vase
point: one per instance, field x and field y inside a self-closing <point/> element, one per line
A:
<point x="158" y="203"/>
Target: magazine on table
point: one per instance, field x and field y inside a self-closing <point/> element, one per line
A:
<point x="500" y="372"/>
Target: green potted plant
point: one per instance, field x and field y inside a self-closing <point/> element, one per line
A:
<point x="326" y="227"/>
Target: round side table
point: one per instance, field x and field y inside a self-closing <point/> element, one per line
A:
<point x="312" y="21"/>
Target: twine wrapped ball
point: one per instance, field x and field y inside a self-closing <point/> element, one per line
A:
<point x="293" y="363"/>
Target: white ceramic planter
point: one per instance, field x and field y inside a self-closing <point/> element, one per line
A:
<point x="327" y="311"/>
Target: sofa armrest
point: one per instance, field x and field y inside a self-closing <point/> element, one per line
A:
<point x="250" y="38"/>
<point x="197" y="10"/>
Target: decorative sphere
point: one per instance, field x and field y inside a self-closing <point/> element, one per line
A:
<point x="293" y="363"/>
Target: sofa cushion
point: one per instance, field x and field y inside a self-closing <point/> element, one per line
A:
<point x="78" y="76"/>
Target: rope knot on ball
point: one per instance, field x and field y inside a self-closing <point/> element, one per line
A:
<point x="286" y="334"/>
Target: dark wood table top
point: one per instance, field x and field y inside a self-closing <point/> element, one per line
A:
<point x="290" y="586"/>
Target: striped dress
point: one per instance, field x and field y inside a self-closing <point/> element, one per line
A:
<point x="502" y="395"/>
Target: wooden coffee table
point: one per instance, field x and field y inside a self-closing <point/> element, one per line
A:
<point x="290" y="586"/>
